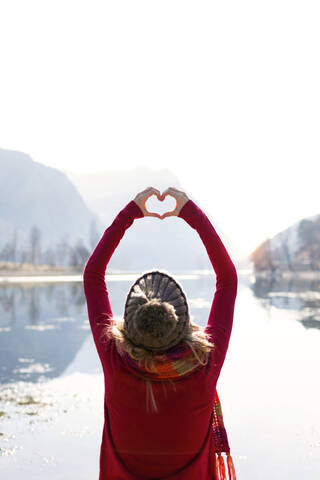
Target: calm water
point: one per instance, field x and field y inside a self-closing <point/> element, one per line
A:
<point x="51" y="385"/>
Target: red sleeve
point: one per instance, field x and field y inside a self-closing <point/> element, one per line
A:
<point x="221" y="314"/>
<point x="94" y="284"/>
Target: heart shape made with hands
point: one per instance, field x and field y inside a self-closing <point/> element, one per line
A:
<point x="166" y="203"/>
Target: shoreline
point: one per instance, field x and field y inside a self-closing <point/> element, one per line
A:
<point x="35" y="270"/>
<point x="9" y="270"/>
<point x="289" y="274"/>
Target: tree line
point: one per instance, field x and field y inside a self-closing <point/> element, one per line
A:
<point x="61" y="254"/>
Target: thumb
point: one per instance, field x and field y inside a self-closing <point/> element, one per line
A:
<point x="167" y="214"/>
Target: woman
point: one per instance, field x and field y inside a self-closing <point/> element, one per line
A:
<point x="157" y="353"/>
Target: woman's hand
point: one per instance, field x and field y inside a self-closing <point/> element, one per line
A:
<point x="143" y="196"/>
<point x="181" y="199"/>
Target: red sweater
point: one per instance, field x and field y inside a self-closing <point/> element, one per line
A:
<point x="176" y="443"/>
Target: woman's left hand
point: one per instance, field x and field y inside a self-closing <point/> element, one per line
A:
<point x="143" y="196"/>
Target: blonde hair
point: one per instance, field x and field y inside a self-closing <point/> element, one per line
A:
<point x="197" y="339"/>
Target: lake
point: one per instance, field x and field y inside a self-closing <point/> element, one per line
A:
<point x="51" y="384"/>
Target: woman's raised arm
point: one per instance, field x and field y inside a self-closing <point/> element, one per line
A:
<point x="95" y="289"/>
<point x="222" y="309"/>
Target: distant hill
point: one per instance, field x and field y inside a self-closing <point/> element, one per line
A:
<point x="43" y="217"/>
<point x="296" y="248"/>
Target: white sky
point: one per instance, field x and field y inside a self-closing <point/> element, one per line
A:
<point x="224" y="93"/>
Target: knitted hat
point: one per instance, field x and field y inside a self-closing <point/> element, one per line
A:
<point x="156" y="313"/>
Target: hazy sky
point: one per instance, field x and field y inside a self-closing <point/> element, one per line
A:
<point x="225" y="94"/>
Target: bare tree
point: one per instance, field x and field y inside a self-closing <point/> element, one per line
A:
<point x="9" y="250"/>
<point x="263" y="257"/>
<point x="14" y="245"/>
<point x="62" y="252"/>
<point x="35" y="245"/>
<point x="309" y="238"/>
<point x="79" y="255"/>
<point x="284" y="240"/>
<point x="49" y="257"/>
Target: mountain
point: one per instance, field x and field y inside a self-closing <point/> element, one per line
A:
<point x="296" y="248"/>
<point x="41" y="211"/>
<point x="54" y="217"/>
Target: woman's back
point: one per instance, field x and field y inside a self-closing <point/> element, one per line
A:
<point x="157" y="444"/>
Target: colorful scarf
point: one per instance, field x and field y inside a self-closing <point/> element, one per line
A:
<point x="183" y="360"/>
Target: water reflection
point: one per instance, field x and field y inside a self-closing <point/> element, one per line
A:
<point x="298" y="294"/>
<point x="41" y="329"/>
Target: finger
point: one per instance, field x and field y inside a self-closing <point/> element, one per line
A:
<point x="152" y="191"/>
<point x="151" y="214"/>
<point x="164" y="193"/>
<point x="168" y="214"/>
<point x="173" y="189"/>
<point x="170" y="190"/>
<point x="143" y="192"/>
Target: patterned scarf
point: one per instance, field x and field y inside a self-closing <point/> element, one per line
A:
<point x="183" y="360"/>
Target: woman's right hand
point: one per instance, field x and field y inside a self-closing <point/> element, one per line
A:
<point x="181" y="199"/>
